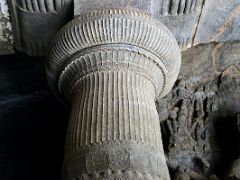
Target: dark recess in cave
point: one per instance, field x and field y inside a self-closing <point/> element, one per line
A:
<point x="32" y="122"/>
<point x="227" y="138"/>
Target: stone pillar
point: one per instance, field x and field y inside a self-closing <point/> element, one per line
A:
<point x="111" y="65"/>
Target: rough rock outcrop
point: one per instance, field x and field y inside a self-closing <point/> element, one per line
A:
<point x="198" y="116"/>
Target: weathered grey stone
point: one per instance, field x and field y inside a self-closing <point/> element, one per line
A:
<point x="219" y="22"/>
<point x="197" y="117"/>
<point x="89" y="68"/>
<point x="198" y="65"/>
<point x="111" y="65"/>
<point x="181" y="17"/>
<point x="189" y="20"/>
<point x="226" y="54"/>
<point x="205" y="62"/>
<point x="235" y="170"/>
<point x="86" y="6"/>
<point x="6" y="39"/>
<point x="36" y="22"/>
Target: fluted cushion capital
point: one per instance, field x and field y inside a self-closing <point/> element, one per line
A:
<point x="101" y="36"/>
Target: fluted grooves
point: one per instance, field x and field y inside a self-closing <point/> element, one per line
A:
<point x="178" y="7"/>
<point x="104" y="59"/>
<point x="184" y="42"/>
<point x="37" y="48"/>
<point x="114" y="106"/>
<point x="127" y="27"/>
<point x="111" y="65"/>
<point x="39" y="6"/>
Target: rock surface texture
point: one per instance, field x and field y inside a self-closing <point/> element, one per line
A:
<point x="6" y="38"/>
<point x="32" y="119"/>
<point x="200" y="132"/>
<point x="192" y="22"/>
<point x="111" y="65"/>
<point x="36" y="22"/>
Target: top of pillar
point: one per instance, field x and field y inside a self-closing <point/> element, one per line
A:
<point x="116" y="26"/>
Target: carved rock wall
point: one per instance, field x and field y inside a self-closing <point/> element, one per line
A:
<point x="193" y="22"/>
<point x="36" y="22"/>
<point x="219" y="22"/>
<point x="197" y="117"/>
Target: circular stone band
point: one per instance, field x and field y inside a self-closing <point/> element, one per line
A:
<point x="109" y="58"/>
<point x="117" y="26"/>
<point x="98" y="159"/>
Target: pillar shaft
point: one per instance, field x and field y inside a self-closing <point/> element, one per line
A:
<point x="111" y="65"/>
<point x="114" y="128"/>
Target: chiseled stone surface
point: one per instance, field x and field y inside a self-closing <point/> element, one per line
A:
<point x="192" y="22"/>
<point x="36" y="22"/>
<point x="181" y="17"/>
<point x="86" y="6"/>
<point x="197" y="117"/>
<point x="111" y="65"/>
<point x="219" y="22"/>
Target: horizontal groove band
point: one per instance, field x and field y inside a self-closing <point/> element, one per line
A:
<point x="113" y="58"/>
<point x="110" y="27"/>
